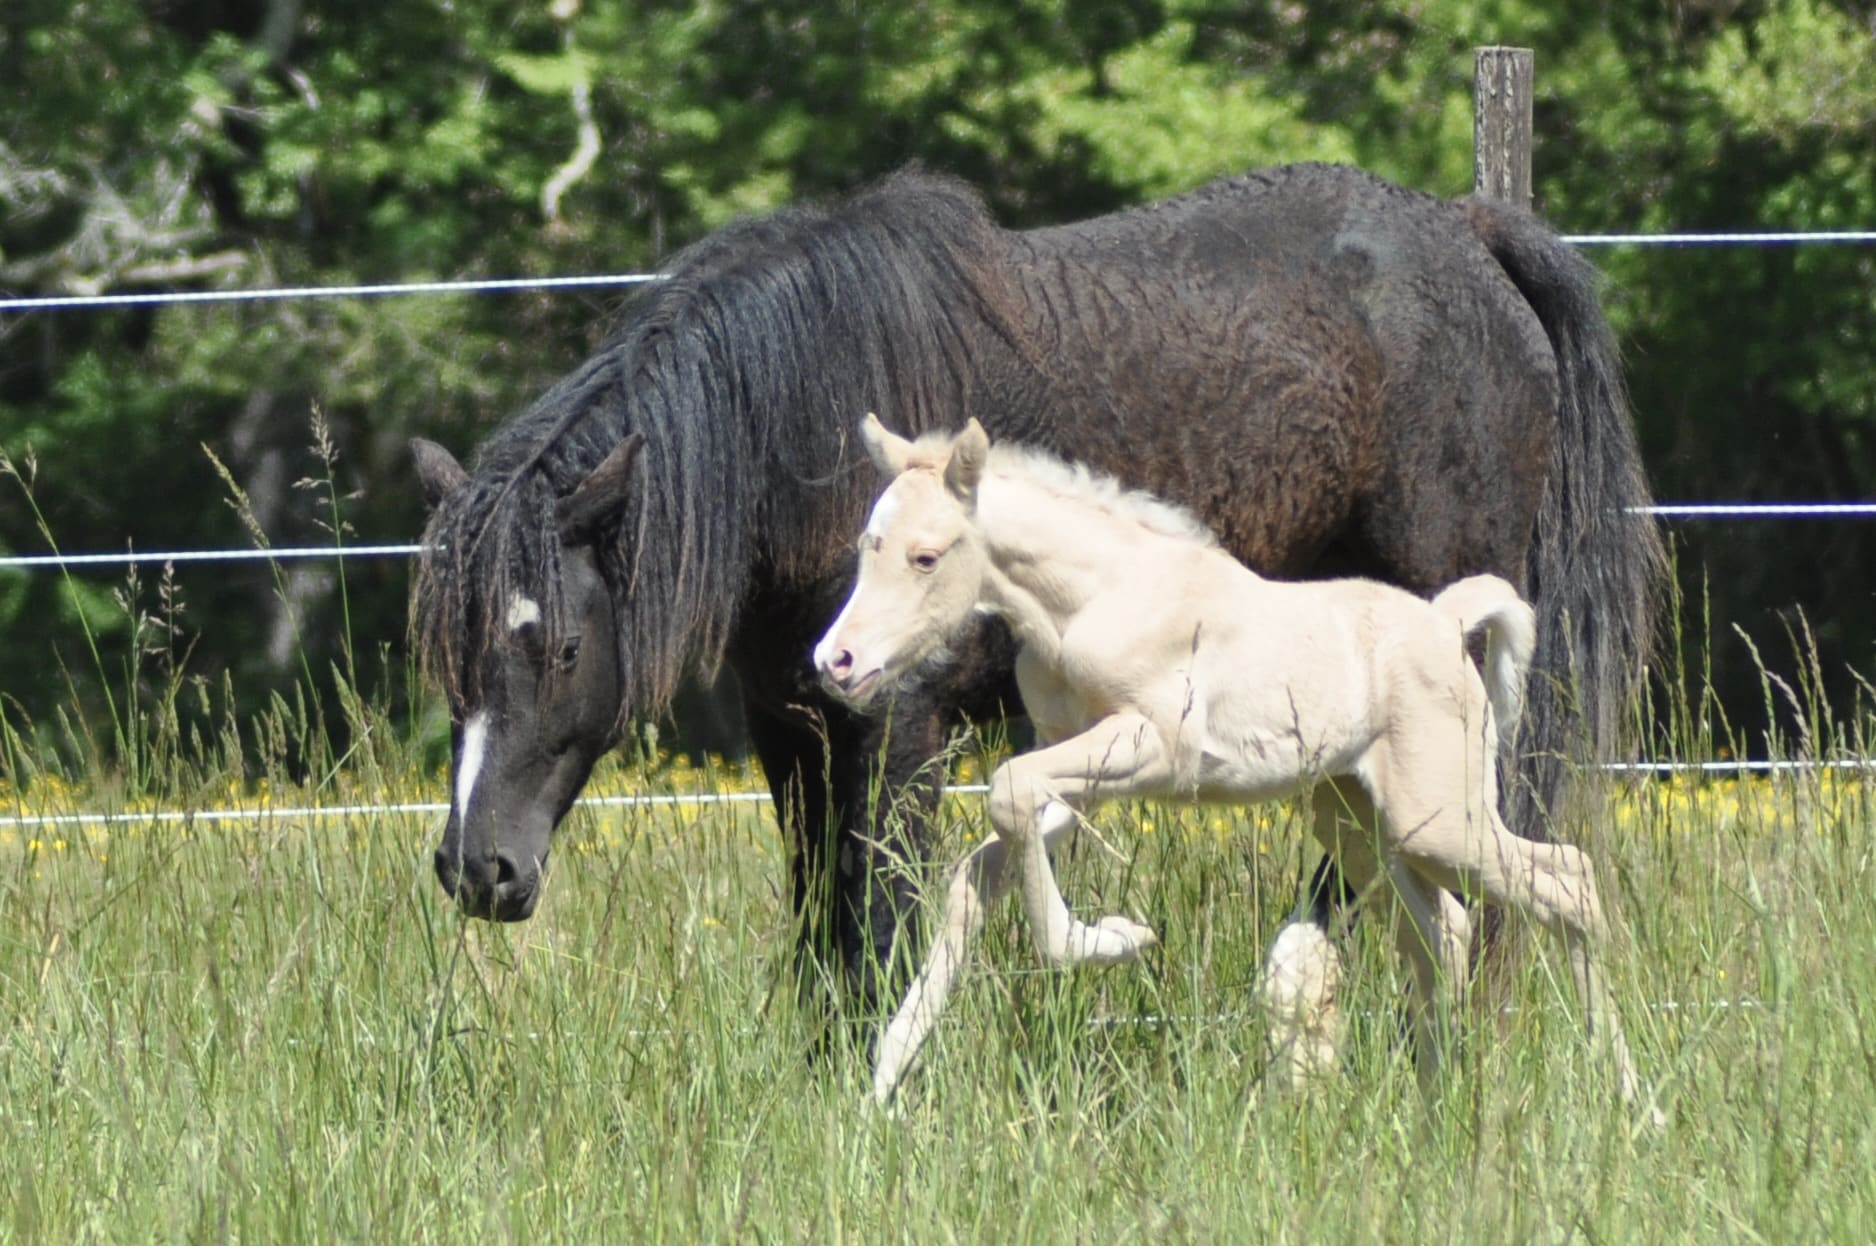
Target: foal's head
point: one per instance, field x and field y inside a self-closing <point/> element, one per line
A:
<point x="922" y="562"/>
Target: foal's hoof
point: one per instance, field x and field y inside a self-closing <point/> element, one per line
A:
<point x="1135" y="937"/>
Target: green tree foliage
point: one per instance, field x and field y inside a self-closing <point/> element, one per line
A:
<point x="166" y="145"/>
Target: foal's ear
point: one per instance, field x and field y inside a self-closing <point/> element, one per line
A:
<point x="438" y="472"/>
<point x="969" y="450"/>
<point x="889" y="451"/>
<point x="600" y="496"/>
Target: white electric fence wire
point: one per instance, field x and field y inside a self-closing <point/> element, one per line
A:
<point x="1757" y="510"/>
<point x="159" y="298"/>
<point x="1775" y="238"/>
<point x="210" y="555"/>
<point x="1854" y="764"/>
<point x="264" y="813"/>
<point x="1716" y="510"/>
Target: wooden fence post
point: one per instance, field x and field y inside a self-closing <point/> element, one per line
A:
<point x="1501" y="124"/>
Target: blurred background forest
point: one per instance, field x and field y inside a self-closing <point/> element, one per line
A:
<point x="208" y="144"/>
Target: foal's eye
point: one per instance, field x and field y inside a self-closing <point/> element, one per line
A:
<point x="926" y="559"/>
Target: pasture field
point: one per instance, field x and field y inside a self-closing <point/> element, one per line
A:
<point x="280" y="1031"/>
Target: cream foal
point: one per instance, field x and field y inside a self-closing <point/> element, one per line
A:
<point x="1155" y="665"/>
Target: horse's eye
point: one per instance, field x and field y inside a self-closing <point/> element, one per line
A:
<point x="926" y="559"/>
<point x="569" y="653"/>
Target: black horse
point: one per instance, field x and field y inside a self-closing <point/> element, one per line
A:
<point x="1343" y="377"/>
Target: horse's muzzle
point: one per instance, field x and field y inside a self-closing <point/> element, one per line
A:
<point x="504" y="889"/>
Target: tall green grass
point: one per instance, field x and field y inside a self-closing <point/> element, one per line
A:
<point x="283" y="1032"/>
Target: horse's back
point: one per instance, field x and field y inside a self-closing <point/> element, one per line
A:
<point x="1280" y="349"/>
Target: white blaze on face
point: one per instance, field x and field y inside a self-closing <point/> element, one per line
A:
<point x="475" y="739"/>
<point x="522" y="611"/>
<point x="883" y="514"/>
<point x="475" y="733"/>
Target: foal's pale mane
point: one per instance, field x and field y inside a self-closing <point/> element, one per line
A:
<point x="1077" y="483"/>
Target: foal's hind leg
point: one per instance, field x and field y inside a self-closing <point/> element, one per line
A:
<point x="1303" y="969"/>
<point x="1455" y="838"/>
<point x="1433" y="941"/>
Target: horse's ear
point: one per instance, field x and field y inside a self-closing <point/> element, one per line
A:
<point x="438" y="472"/>
<point x="969" y="450"/>
<point x="598" y="498"/>
<point x="889" y="451"/>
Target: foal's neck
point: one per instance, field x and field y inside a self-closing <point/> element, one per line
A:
<point x="1051" y="553"/>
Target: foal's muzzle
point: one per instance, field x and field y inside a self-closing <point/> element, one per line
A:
<point x="841" y="676"/>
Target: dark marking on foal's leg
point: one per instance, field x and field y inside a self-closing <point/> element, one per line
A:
<point x="1330" y="896"/>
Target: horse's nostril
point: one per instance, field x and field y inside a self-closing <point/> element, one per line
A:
<point x="517" y="887"/>
<point x="843" y="663"/>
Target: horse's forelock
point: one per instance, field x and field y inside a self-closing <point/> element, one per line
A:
<point x="493" y="542"/>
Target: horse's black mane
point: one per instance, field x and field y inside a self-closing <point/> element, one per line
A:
<point x="747" y="370"/>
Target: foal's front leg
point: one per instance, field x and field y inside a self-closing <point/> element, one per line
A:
<point x="989" y="872"/>
<point x="1035" y="798"/>
<point x="983" y="879"/>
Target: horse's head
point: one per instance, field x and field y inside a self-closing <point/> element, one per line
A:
<point x="922" y="563"/>
<point x="535" y="689"/>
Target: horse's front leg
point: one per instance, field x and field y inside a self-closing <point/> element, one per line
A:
<point x="1035" y="798"/>
<point x="854" y="831"/>
<point x="885" y="788"/>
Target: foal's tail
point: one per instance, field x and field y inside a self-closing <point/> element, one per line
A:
<point x="1485" y="601"/>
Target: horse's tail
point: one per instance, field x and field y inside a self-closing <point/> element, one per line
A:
<point x="1598" y="565"/>
<point x="1510" y="625"/>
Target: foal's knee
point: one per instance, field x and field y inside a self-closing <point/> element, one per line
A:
<point x="1008" y="806"/>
